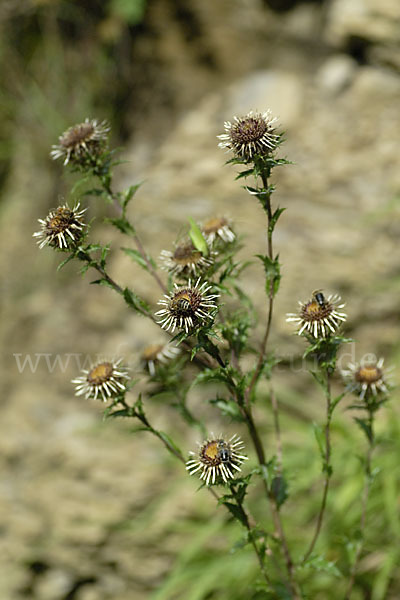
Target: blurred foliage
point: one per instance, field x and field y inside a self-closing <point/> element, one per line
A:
<point x="61" y="62"/>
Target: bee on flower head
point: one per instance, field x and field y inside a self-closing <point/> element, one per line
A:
<point x="319" y="297"/>
<point x="217" y="460"/>
<point x="319" y="317"/>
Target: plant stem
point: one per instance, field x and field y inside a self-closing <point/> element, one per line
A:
<point x="252" y="539"/>
<point x="264" y="342"/>
<point x="326" y="467"/>
<point x="246" y="409"/>
<point x="367" y="486"/>
<point x="275" y="410"/>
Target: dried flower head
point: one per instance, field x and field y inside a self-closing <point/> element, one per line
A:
<point x="107" y="378"/>
<point x="158" y="353"/>
<point x="218" y="228"/>
<point x="187" y="307"/>
<point x="319" y="317"/>
<point x="186" y="260"/>
<point x="217" y="459"/>
<point x="367" y="377"/>
<point x="250" y="135"/>
<point x="62" y="228"/>
<point x="80" y="141"/>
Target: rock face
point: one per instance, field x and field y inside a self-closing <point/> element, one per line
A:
<point x="73" y="490"/>
<point x="370" y="27"/>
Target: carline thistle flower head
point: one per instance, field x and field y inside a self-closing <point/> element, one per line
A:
<point x="187" y="307"/>
<point x="250" y="135"/>
<point x="106" y="378"/>
<point x="185" y="260"/>
<point x="158" y="353"/>
<point x="320" y="317"/>
<point x="367" y="377"/>
<point x="62" y="228"/>
<point x="218" y="228"/>
<point x="81" y="140"/>
<point x="216" y="459"/>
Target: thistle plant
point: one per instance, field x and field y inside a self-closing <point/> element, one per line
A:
<point x="208" y="323"/>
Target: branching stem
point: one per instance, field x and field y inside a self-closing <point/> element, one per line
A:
<point x="246" y="408"/>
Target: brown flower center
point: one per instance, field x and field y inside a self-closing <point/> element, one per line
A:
<point x="210" y="454"/>
<point x="312" y="311"/>
<point x="62" y="219"/>
<point x="213" y="225"/>
<point x="150" y="352"/>
<point x="250" y="129"/>
<point x="77" y="135"/>
<point x="100" y="373"/>
<point x="368" y="374"/>
<point x="186" y="254"/>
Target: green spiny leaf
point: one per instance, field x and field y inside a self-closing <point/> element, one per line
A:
<point x="122" y="224"/>
<point x="135" y="302"/>
<point x="136" y="256"/>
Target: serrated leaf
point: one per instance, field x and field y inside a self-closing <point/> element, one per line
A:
<point x="246" y="173"/>
<point x="366" y="428"/>
<point x="84" y="269"/>
<point x="93" y="247"/>
<point x="336" y="401"/>
<point x="228" y="408"/>
<point x="124" y="412"/>
<point x="64" y="262"/>
<point x="320" y="564"/>
<point x="95" y="192"/>
<point x="134" y="301"/>
<point x="129" y="194"/>
<point x="138" y="406"/>
<point x="209" y="375"/>
<point x="103" y="257"/>
<point x="279" y="489"/>
<point x="237" y="512"/>
<point x="122" y="224"/>
<point x="240" y="544"/>
<point x="102" y="281"/>
<point x="170" y="443"/>
<point x="209" y="347"/>
<point x="320" y="378"/>
<point x="275" y="216"/>
<point x="272" y="272"/>
<point x="136" y="256"/>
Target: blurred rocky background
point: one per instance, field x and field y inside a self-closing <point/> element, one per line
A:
<point x="88" y="510"/>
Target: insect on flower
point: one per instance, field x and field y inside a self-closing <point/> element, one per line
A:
<point x="217" y="459"/>
<point x="187" y="307"/>
<point x="320" y="317"/>
<point x="62" y="228"/>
